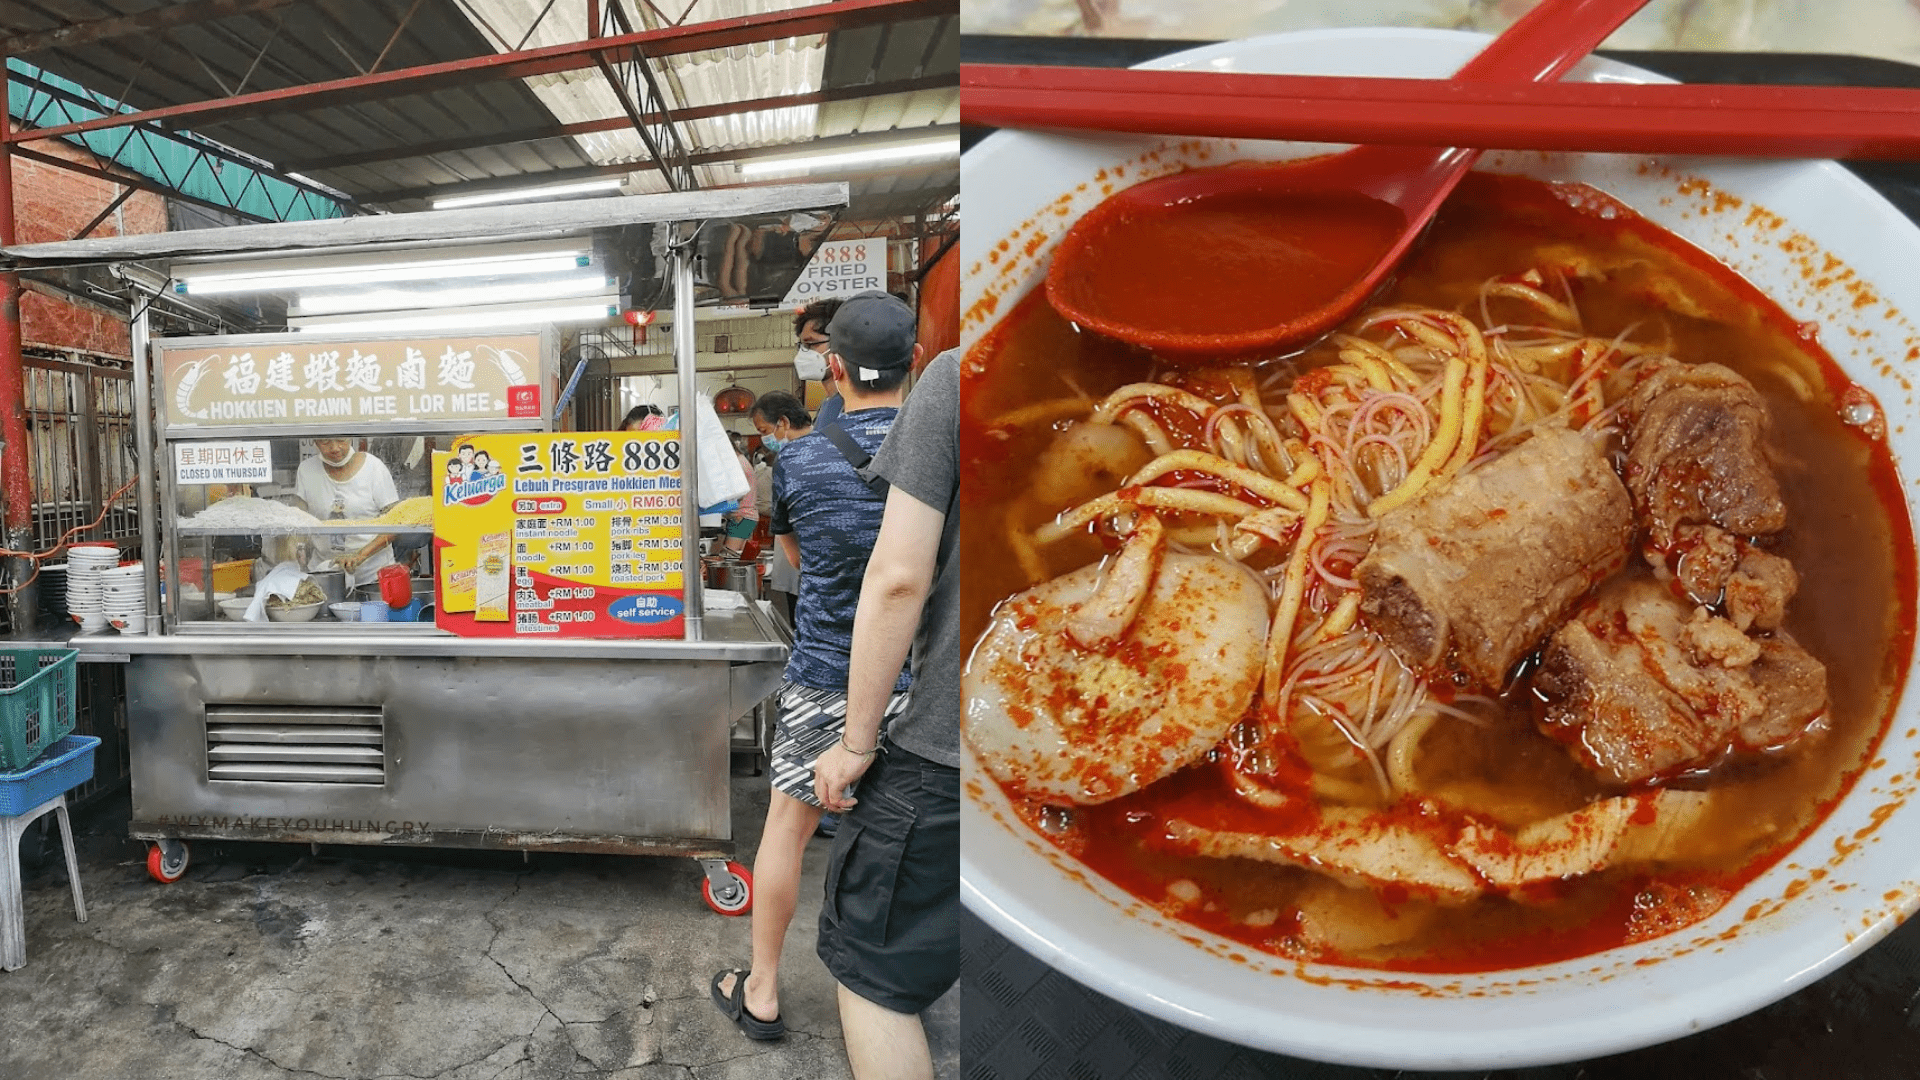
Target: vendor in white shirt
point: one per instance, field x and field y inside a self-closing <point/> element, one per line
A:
<point x="342" y="482"/>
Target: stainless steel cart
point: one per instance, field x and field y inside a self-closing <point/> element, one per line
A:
<point x="402" y="735"/>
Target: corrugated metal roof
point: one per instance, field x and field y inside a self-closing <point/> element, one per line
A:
<point x="389" y="149"/>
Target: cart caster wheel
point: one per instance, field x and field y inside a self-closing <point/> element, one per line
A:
<point x="167" y="860"/>
<point x="733" y="898"/>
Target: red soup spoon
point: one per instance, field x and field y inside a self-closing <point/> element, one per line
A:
<point x="1255" y="259"/>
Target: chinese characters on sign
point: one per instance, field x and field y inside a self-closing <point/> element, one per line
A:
<point x="223" y="462"/>
<point x="303" y="382"/>
<point x="574" y="535"/>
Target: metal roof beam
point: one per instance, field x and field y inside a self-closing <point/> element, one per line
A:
<point x="614" y="123"/>
<point x="670" y="41"/>
<point x="710" y="157"/>
<point x="132" y="182"/>
<point x="164" y="17"/>
<point x="57" y="94"/>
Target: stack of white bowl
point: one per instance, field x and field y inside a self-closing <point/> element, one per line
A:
<point x="126" y="598"/>
<point x="87" y="566"/>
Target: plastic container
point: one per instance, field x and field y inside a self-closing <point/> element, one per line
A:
<point x="375" y="611"/>
<point x="66" y="766"/>
<point x="37" y="697"/>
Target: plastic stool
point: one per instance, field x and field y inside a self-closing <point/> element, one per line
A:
<point x="13" y="909"/>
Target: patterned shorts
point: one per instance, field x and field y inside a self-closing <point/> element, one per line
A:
<point x="810" y="721"/>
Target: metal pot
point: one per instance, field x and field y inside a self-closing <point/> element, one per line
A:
<point x="734" y="576"/>
<point x="331" y="583"/>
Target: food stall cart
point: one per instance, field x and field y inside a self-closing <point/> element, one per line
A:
<point x="403" y="733"/>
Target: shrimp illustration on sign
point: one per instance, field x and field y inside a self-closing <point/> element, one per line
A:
<point x="184" y="387"/>
<point x="509" y="361"/>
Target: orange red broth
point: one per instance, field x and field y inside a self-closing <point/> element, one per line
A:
<point x="1848" y="536"/>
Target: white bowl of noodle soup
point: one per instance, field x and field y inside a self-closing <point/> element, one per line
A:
<point x="1825" y="248"/>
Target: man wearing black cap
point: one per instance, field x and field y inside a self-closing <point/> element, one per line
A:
<point x="825" y="516"/>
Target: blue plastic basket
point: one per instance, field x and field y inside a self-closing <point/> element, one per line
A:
<point x="68" y="765"/>
<point x="37" y="698"/>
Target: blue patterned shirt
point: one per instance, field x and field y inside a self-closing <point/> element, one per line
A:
<point x="836" y="518"/>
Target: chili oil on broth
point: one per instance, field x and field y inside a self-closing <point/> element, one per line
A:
<point x="1854" y="557"/>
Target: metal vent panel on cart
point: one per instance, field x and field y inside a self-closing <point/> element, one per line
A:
<point x="297" y="744"/>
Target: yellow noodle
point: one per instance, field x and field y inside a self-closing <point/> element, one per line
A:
<point x="1437" y="452"/>
<point x="1179" y="500"/>
<point x="1138" y="393"/>
<point x="1043" y="412"/>
<point x="1476" y="400"/>
<point x="1150" y="430"/>
<point x="1034" y="567"/>
<point x="1260" y="484"/>
<point x="1305" y="411"/>
<point x="1375" y="372"/>
<point x="1401" y="749"/>
<point x="1292" y="592"/>
<point x="1530" y="295"/>
<point x="1243" y="384"/>
<point x="1345" y="614"/>
<point x="1233" y="445"/>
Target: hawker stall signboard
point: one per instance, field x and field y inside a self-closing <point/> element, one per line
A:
<point x="292" y="379"/>
<point x="840" y="268"/>
<point x="575" y="534"/>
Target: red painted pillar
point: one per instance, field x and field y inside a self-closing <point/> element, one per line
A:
<point x="16" y="483"/>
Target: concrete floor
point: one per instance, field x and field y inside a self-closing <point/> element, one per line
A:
<point x="267" y="961"/>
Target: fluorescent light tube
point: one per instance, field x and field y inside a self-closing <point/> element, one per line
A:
<point x="397" y="299"/>
<point x="464" y="318"/>
<point x="261" y="275"/>
<point x="897" y="152"/>
<point x="450" y="202"/>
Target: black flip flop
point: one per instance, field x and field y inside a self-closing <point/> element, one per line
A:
<point x="734" y="1007"/>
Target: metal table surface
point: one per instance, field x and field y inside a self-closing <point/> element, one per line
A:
<point x="1025" y="1020"/>
<point x="745" y="633"/>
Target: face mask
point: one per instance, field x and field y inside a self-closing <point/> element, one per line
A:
<point x="774" y="442"/>
<point x="809" y="365"/>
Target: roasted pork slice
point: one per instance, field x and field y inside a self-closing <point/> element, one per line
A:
<point x="1697" y="454"/>
<point x="1484" y="567"/>
<point x="1723" y="571"/>
<point x="1641" y="685"/>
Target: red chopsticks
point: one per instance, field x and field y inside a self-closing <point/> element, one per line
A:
<point x="1626" y="118"/>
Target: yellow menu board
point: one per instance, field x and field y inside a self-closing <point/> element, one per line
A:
<point x="574" y="534"/>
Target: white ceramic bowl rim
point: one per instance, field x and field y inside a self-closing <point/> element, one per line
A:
<point x="1017" y="185"/>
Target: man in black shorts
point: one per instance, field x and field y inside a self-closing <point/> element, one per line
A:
<point x="889" y="925"/>
<point x="826" y="516"/>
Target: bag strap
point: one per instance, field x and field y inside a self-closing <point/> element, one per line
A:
<point x="857" y="458"/>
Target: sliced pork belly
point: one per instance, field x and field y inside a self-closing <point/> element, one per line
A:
<point x="1426" y="854"/>
<point x="1357" y="847"/>
<point x="1723" y="571"/>
<point x="1641" y="685"/>
<point x="1696" y="453"/>
<point x="1485" y="566"/>
<point x="1626" y="829"/>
